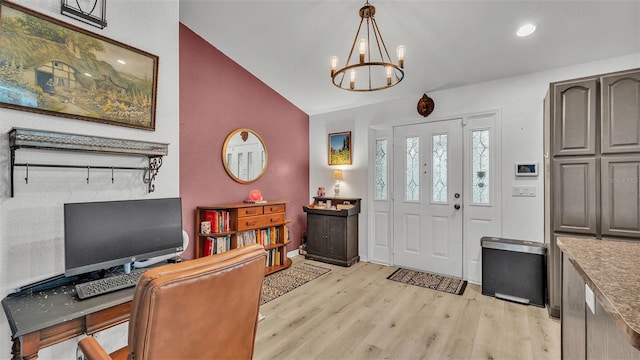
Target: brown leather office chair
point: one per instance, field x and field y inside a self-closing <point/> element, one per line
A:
<point x="199" y="309"/>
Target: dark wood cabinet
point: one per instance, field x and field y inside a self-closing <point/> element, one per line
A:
<point x="332" y="231"/>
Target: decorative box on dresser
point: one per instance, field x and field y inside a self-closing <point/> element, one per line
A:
<point x="332" y="230"/>
<point x="242" y="224"/>
<point x="592" y="164"/>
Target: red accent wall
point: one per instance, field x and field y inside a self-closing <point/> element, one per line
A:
<point x="218" y="96"/>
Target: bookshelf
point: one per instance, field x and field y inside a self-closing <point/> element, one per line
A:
<point x="240" y="224"/>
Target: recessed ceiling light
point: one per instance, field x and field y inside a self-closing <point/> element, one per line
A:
<point x="122" y="62"/>
<point x="526" y="30"/>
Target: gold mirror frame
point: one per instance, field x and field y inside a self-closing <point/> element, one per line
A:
<point x="238" y="144"/>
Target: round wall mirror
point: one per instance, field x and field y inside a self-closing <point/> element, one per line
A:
<point x="244" y="155"/>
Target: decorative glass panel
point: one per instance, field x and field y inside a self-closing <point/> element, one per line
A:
<point x="242" y="174"/>
<point x="439" y="168"/>
<point x="381" y="177"/>
<point x="412" y="170"/>
<point x="480" y="166"/>
<point x="250" y="165"/>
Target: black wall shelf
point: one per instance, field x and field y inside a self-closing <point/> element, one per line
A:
<point x="50" y="140"/>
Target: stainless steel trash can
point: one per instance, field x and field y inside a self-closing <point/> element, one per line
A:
<point x="514" y="270"/>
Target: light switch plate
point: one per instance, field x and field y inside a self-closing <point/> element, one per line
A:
<point x="523" y="190"/>
<point x="590" y="299"/>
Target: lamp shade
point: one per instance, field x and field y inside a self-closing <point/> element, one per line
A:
<point x="337" y="175"/>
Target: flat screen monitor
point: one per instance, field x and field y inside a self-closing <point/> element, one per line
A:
<point x="101" y="235"/>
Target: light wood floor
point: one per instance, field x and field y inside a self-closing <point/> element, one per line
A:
<point x="356" y="313"/>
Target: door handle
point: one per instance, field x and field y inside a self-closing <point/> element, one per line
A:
<point x="456" y="206"/>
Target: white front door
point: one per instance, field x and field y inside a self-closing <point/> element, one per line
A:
<point x="427" y="188"/>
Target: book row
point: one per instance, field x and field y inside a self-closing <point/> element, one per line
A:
<point x="274" y="258"/>
<point x="218" y="221"/>
<point x="265" y="237"/>
<point x="217" y="245"/>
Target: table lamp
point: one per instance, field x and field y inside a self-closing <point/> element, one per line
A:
<point x="336" y="176"/>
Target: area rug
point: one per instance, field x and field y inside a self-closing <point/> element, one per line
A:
<point x="430" y="281"/>
<point x="282" y="282"/>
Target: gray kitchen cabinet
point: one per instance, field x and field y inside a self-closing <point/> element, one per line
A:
<point x="591" y="163"/>
<point x="575" y="117"/>
<point x="621" y="112"/>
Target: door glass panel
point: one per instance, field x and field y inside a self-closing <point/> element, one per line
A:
<point x="381" y="176"/>
<point x="412" y="170"/>
<point x="251" y="175"/>
<point x="480" y="166"/>
<point x="439" y="168"/>
<point x="242" y="174"/>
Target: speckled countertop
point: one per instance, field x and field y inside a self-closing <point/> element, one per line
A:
<point x="612" y="271"/>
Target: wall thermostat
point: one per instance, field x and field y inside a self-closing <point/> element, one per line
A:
<point x="526" y="169"/>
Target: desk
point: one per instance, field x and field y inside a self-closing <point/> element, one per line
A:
<point x="52" y="316"/>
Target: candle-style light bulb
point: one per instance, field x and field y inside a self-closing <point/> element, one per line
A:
<point x="362" y="47"/>
<point x="389" y="70"/>
<point x="401" y="50"/>
<point x="334" y="64"/>
<point x="352" y="82"/>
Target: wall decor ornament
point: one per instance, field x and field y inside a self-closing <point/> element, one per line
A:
<point x="92" y="12"/>
<point x="53" y="68"/>
<point x="340" y="148"/>
<point x="425" y="105"/>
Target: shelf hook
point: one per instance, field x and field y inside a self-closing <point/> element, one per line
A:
<point x="88" y="168"/>
<point x="112" y="174"/>
<point x="26" y="176"/>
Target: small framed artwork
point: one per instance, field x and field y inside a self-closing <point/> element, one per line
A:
<point x="526" y="169"/>
<point x="340" y="148"/>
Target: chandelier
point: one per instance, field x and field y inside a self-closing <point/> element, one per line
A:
<point x="374" y="69"/>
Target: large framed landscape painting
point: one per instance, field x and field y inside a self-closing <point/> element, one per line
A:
<point x="50" y="67"/>
<point x="340" y="148"/>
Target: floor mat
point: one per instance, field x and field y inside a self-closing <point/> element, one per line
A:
<point x="431" y="281"/>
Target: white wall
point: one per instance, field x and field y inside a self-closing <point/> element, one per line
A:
<point x="31" y="230"/>
<point x="520" y="102"/>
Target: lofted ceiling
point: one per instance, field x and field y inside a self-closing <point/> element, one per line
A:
<point x="287" y="43"/>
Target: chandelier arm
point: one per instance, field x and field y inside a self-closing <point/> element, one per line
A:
<point x="341" y="79"/>
<point x="369" y="49"/>
<point x="381" y="40"/>
<point x="355" y="40"/>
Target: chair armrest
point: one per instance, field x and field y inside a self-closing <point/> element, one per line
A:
<point x="92" y="350"/>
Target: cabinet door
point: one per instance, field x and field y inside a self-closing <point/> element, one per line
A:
<point x="575" y="197"/>
<point x="605" y="340"/>
<point x="336" y="237"/>
<point x="574" y="118"/>
<point x="620" y="184"/>
<point x="620" y="112"/>
<point x="316" y="234"/>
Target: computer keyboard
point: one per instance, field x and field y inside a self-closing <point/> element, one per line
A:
<point x="108" y="284"/>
